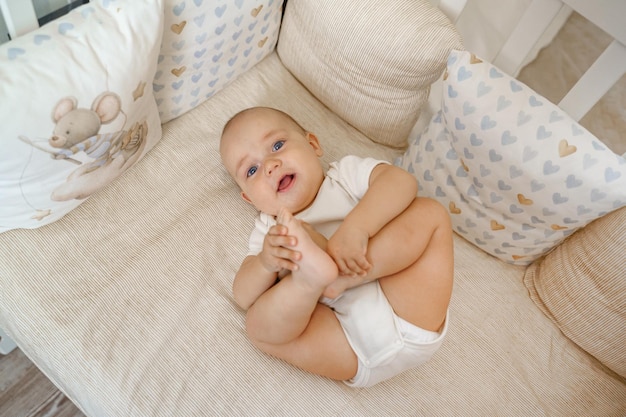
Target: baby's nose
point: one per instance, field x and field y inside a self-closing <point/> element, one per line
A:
<point x="270" y="165"/>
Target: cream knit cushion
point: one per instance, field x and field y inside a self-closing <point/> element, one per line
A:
<point x="581" y="286"/>
<point x="340" y="50"/>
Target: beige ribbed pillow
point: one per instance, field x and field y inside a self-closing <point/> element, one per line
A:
<point x="372" y="63"/>
<point x="581" y="286"/>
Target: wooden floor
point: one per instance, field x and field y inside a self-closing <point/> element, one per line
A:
<point x="26" y="392"/>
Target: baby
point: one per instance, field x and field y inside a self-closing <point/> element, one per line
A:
<point x="349" y="274"/>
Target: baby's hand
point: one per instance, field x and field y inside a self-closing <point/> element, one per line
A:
<point x="276" y="254"/>
<point x="348" y="247"/>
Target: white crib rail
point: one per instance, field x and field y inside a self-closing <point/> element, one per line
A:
<point x="601" y="76"/>
<point x="19" y="16"/>
<point x="451" y="8"/>
<point x="598" y="79"/>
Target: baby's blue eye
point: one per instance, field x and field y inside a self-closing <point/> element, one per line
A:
<point x="278" y="145"/>
<point x="251" y="171"/>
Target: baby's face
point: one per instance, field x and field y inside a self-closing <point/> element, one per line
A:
<point x="275" y="163"/>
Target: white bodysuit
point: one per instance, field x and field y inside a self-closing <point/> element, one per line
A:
<point x="384" y="343"/>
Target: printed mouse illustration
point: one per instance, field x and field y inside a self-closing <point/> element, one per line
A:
<point x="78" y="130"/>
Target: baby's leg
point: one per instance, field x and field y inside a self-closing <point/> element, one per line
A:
<point x="322" y="348"/>
<point x="396" y="246"/>
<point x="283" y="312"/>
<point x="420" y="292"/>
<point x="413" y="250"/>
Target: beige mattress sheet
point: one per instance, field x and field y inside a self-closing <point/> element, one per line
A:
<point x="126" y="303"/>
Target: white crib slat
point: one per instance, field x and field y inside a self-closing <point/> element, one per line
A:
<point x="6" y="343"/>
<point x="451" y="8"/>
<point x="606" y="14"/>
<point x="594" y="83"/>
<point x="531" y="26"/>
<point x="19" y="16"/>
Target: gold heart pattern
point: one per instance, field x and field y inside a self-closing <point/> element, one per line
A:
<point x="496" y="226"/>
<point x="207" y="46"/>
<point x="523" y="200"/>
<point x="177" y="28"/>
<point x="565" y="148"/>
<point x="517" y="174"/>
<point x="178" y="71"/>
<point x="453" y="208"/>
<point x="475" y="60"/>
<point x="255" y="12"/>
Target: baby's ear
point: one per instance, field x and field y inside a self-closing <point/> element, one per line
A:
<point x="246" y="198"/>
<point x="315" y="143"/>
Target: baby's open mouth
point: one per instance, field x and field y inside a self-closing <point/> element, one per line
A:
<point x="285" y="182"/>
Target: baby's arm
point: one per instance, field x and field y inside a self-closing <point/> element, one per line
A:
<point x="391" y="190"/>
<point x="258" y="273"/>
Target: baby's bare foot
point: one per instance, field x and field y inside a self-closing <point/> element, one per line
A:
<point x="344" y="282"/>
<point x="316" y="268"/>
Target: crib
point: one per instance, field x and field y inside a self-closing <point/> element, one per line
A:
<point x="137" y="319"/>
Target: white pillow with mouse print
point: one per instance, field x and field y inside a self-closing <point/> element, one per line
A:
<point x="77" y="107"/>
<point x="517" y="174"/>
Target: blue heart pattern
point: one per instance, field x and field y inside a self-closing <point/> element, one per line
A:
<point x="517" y="174"/>
<point x="62" y="27"/>
<point x="207" y="46"/>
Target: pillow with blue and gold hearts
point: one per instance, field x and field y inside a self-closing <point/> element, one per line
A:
<point x="517" y="174"/>
<point x="207" y="45"/>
